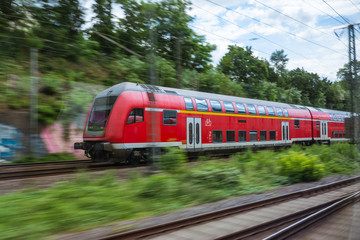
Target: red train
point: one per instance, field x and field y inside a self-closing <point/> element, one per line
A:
<point x="128" y="119"/>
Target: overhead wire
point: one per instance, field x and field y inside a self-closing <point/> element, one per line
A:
<point x="280" y="29"/>
<point x="259" y="35"/>
<point x="323" y="11"/>
<point x="354" y="5"/>
<point x="298" y="21"/>
<point x="346" y="20"/>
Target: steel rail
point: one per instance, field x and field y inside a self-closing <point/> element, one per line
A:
<point x="27" y="170"/>
<point x="315" y="217"/>
<point x="152" y="230"/>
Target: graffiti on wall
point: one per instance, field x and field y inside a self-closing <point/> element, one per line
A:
<point x="10" y="142"/>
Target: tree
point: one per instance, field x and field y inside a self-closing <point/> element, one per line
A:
<point x="59" y="27"/>
<point x="168" y="21"/>
<point x="103" y="25"/>
<point x="279" y="59"/>
<point x="243" y="67"/>
<point x="13" y="27"/>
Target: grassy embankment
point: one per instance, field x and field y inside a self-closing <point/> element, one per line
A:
<point x="87" y="202"/>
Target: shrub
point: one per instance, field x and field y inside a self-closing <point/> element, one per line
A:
<point x="299" y="167"/>
<point x="172" y="159"/>
<point x="217" y="176"/>
<point x="158" y="186"/>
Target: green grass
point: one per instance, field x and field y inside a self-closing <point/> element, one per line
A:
<point x="86" y="202"/>
<point x="53" y="157"/>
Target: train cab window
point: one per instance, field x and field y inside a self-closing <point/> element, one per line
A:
<point x="251" y="109"/>
<point x="169" y="117"/>
<point x="240" y="108"/>
<point x="252" y="136"/>
<point x="215" y="106"/>
<point x="297" y="124"/>
<point x="272" y="135"/>
<point x="136" y="115"/>
<point x="229" y="108"/>
<point x="261" y="110"/>
<point x="201" y="105"/>
<point x="271" y="111"/>
<point x="242" y="136"/>
<point x="286" y="114"/>
<point x="263" y="136"/>
<point x="230" y="136"/>
<point x="217" y="136"/>
<point x="188" y="104"/>
<point x="279" y="112"/>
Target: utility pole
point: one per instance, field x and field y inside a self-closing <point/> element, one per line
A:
<point x="352" y="79"/>
<point x="33" y="99"/>
<point x="178" y="61"/>
<point x="153" y="76"/>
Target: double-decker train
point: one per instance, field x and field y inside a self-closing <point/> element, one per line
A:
<point x="129" y="119"/>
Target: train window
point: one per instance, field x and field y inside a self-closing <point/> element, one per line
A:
<point x="333" y="134"/>
<point x="252" y="136"/>
<point x="216" y="106"/>
<point x="190" y="133"/>
<point x="297" y="124"/>
<point x="336" y="134"/>
<point x="100" y="113"/>
<point x="279" y="112"/>
<point x="230" y="136"/>
<point x="340" y="134"/>
<point x="169" y="117"/>
<point x="317" y="125"/>
<point x="272" y="135"/>
<point x="286" y="113"/>
<point x="263" y="135"/>
<point x="188" y="104"/>
<point x="201" y="105"/>
<point x="197" y="133"/>
<point x="240" y="108"/>
<point x="136" y="115"/>
<point x="251" y="109"/>
<point x="217" y="136"/>
<point x="229" y="107"/>
<point x="242" y="136"/>
<point x="261" y="110"/>
<point x="271" y="111"/>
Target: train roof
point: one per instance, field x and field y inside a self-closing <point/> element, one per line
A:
<point x="116" y="90"/>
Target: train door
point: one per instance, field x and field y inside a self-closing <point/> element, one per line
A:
<point x="193" y="134"/>
<point x="323" y="129"/>
<point x="285" y="132"/>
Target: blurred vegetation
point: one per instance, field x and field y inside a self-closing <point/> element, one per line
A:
<point x="52" y="157"/>
<point x="71" y="53"/>
<point x="86" y="202"/>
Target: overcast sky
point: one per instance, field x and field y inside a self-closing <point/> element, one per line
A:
<point x="304" y="29"/>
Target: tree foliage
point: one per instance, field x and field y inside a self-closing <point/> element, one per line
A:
<point x="149" y="35"/>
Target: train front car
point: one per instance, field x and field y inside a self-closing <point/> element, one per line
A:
<point x="105" y="123"/>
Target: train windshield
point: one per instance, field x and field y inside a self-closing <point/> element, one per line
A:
<point x="99" y="114"/>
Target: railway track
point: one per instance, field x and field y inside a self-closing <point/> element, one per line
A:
<point x="250" y="221"/>
<point x="28" y="170"/>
